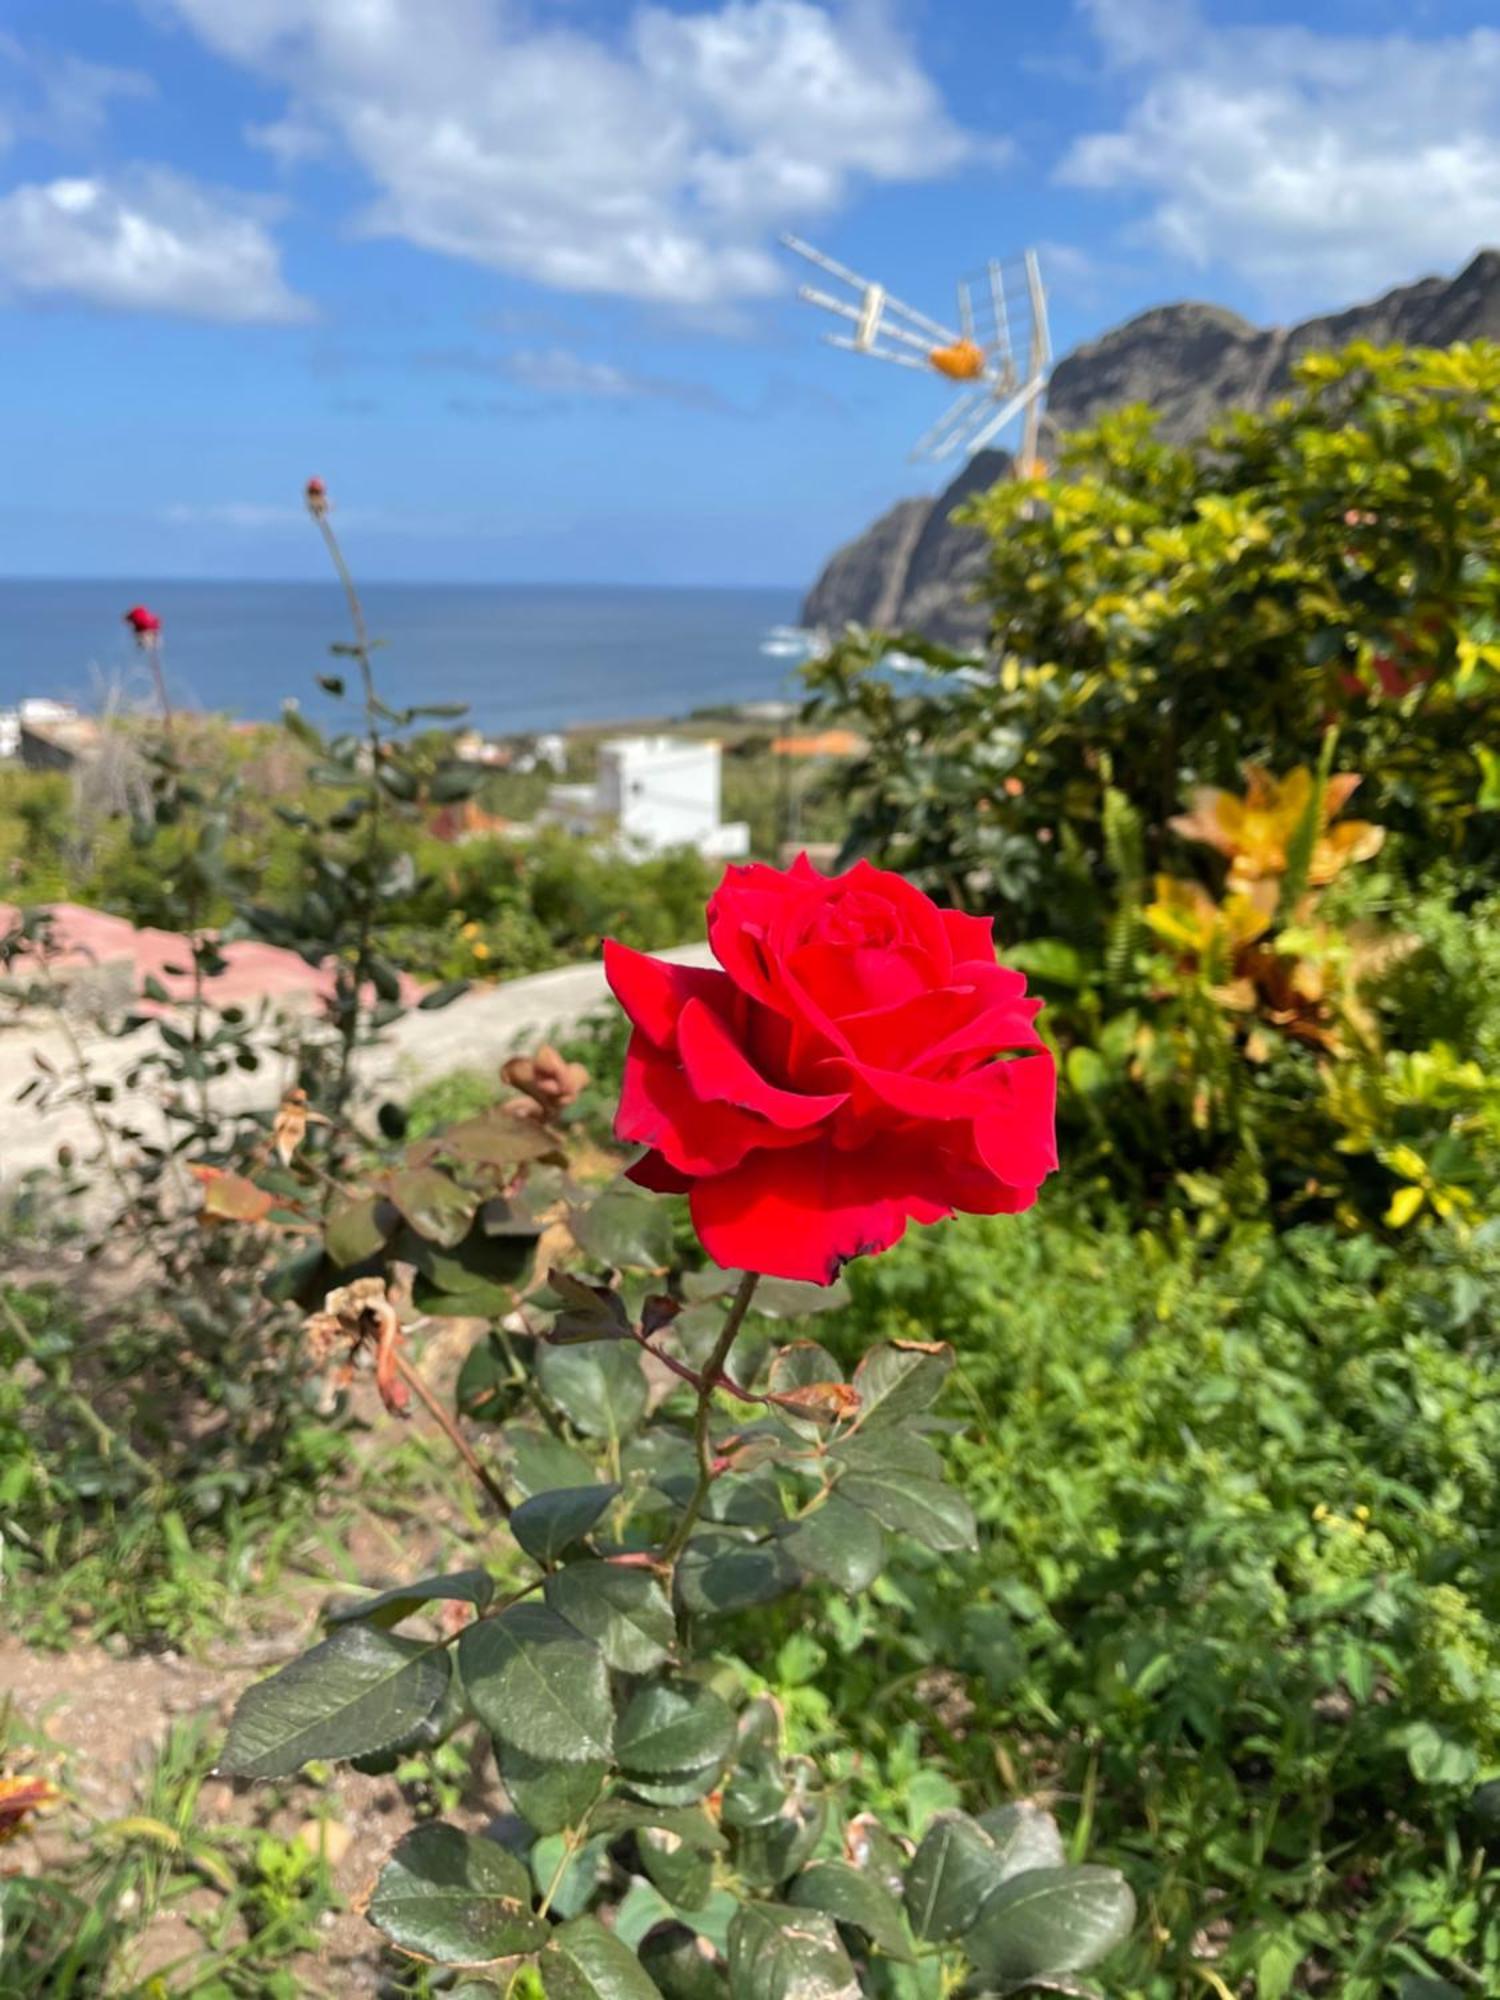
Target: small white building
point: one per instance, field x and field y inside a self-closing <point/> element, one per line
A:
<point x="652" y="793"/>
<point x="34" y="709"/>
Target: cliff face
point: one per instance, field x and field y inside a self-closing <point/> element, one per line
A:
<point x="915" y="571"/>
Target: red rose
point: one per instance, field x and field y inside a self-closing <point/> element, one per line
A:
<point x="838" y="1078"/>
<point x="145" y="624"/>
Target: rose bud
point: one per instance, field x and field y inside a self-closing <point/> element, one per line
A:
<point x="856" y="1062"/>
<point x="316" y="495"/>
<point x="144" y="624"/>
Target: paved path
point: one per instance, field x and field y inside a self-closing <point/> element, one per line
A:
<point x="475" y="1033"/>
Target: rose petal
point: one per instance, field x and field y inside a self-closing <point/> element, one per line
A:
<point x="804" y="1213"/>
<point x="922" y="922"/>
<point x="970" y="937"/>
<point x="653" y="992"/>
<point x="991" y="1015"/>
<point x="1017" y="1135"/>
<point x="852" y="979"/>
<point x="657" y="1174"/>
<point x="659" y="1108"/>
<point x="721" y="1073"/>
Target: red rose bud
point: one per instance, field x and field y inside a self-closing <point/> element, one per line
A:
<point x="858" y="1061"/>
<point x="145" y="624"/>
<point x="316" y="494"/>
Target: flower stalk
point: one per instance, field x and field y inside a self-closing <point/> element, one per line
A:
<point x="712" y="1376"/>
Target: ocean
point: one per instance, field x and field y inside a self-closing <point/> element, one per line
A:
<point x="523" y="657"/>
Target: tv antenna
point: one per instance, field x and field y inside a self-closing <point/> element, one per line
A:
<point x="1000" y="351"/>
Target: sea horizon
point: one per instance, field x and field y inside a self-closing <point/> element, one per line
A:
<point x="523" y="656"/>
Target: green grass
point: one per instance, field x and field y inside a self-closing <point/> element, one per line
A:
<point x="252" y="1898"/>
<point x="1238" y="1599"/>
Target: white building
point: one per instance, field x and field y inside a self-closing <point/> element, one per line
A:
<point x="34" y="709"/>
<point x="652" y="793"/>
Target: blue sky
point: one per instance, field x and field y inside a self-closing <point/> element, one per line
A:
<point x="504" y="272"/>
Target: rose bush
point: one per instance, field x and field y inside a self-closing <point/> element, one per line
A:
<point x="858" y="1061"/>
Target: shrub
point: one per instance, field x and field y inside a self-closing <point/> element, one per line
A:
<point x="1309" y="601"/>
<point x="1235" y="1590"/>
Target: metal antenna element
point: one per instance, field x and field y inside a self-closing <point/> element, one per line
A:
<point x="1000" y="353"/>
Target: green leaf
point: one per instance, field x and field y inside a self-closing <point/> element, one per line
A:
<point x="573" y="1874"/>
<point x="451" y="1712"/>
<point x="584" y="1961"/>
<point x="852" y="1897"/>
<point x="1276" y="1963"/>
<point x="840" y="1541"/>
<point x="1049" y="1921"/>
<point x="625" y="1228"/>
<point x="475" y="1278"/>
<point x="443" y="996"/>
<point x="549" y="1796"/>
<point x="755" y="1791"/>
<point x="795" y="1298"/>
<point x="887" y="1452"/>
<point x="672" y="1727"/>
<point x="486" y="1390"/>
<point x="899" y="1379"/>
<point x="434" y="1204"/>
<point x="361" y="1690"/>
<point x="389" y="1607"/>
<point x="448" y="1897"/>
<point x="589" y="1312"/>
<point x="875" y="1852"/>
<point x="720" y="1573"/>
<point x="779" y="1953"/>
<point x="933" y="1514"/>
<point x="624" y="1611"/>
<point x="682" y="1966"/>
<point x="497" y="1138"/>
<point x="955" y="1868"/>
<point x="689" y="1824"/>
<point x="600" y="1389"/>
<point x="767" y="1854"/>
<point x="452" y="782"/>
<point x="357" y="1230"/>
<point x="538" y="1684"/>
<point x="537" y="1461"/>
<point x="384" y="977"/>
<point x="1438" y="1759"/>
<point x="683" y="1874"/>
<point x="548" y="1523"/>
<point x="1024" y="1836"/>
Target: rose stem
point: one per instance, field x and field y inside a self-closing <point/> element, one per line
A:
<point x="454" y="1435"/>
<point x="734" y="1319"/>
<point x="692" y="1375"/>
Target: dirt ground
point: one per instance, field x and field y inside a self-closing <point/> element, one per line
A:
<point x="109" y="1718"/>
<point x="100" y="1718"/>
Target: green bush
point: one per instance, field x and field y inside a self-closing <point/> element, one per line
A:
<point x="1309" y="601"/>
<point x="1237" y="1593"/>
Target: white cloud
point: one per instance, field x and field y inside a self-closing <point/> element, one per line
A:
<point x="556" y="371"/>
<point x="653" y="166"/>
<point x="1321" y="166"/>
<point x="151" y="242"/>
<point x="252" y="516"/>
<point x="290" y="141"/>
<point x="52" y="95"/>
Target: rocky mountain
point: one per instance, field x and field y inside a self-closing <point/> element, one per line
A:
<point x="913" y="570"/>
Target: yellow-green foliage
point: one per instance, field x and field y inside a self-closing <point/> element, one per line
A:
<point x="1314" y="593"/>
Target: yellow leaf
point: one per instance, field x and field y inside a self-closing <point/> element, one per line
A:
<point x="1404" y="1205"/>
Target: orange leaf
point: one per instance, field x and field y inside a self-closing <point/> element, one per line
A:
<point x="230" y="1197"/>
<point x="824" y="1402"/>
<point x="19" y="1799"/>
